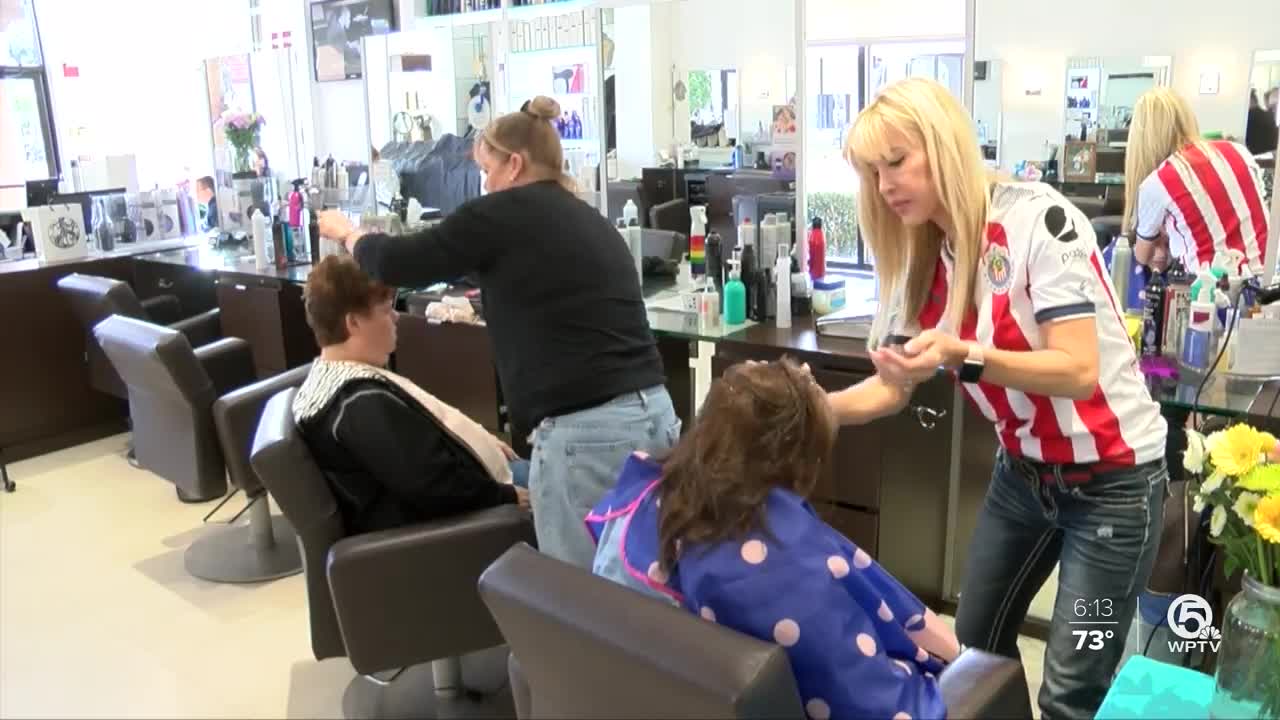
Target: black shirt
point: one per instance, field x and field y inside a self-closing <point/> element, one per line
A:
<point x="561" y="295"/>
<point x="389" y="464"/>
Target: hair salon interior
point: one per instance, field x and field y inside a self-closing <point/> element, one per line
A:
<point x="170" y="548"/>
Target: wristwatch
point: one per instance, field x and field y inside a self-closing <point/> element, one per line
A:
<point x="971" y="369"/>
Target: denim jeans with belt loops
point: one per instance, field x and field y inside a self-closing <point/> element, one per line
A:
<point x="576" y="460"/>
<point x="1102" y="533"/>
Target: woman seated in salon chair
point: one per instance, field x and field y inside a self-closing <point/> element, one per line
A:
<point x="722" y="527"/>
<point x="393" y="454"/>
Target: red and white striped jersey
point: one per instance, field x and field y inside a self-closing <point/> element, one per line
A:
<point x="1041" y="264"/>
<point x="1207" y="197"/>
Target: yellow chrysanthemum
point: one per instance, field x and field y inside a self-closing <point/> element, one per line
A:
<point x="1239" y="449"/>
<point x="1266" y="519"/>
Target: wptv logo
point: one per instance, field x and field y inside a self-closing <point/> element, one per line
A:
<point x="1190" y="617"/>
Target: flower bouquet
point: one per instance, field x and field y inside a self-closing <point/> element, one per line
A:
<point x="1238" y="481"/>
<point x="241" y="131"/>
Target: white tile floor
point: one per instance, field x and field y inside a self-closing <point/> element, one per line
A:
<point x="100" y="619"/>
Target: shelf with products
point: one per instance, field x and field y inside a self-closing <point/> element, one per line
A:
<point x="439" y="8"/>
<point x="572" y="29"/>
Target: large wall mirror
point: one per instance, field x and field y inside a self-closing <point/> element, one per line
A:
<point x="1262" y="123"/>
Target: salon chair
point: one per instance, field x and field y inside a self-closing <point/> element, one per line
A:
<point x="171" y="390"/>
<point x="266" y="548"/>
<point x="672" y="215"/>
<point x="585" y="647"/>
<point x="394" y="599"/>
<point x="1106" y="228"/>
<point x="94" y="299"/>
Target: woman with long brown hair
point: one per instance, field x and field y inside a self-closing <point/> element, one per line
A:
<point x="578" y="364"/>
<point x="722" y="527"/>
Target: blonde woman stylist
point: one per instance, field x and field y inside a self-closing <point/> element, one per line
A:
<point x="578" y="364"/>
<point x="1186" y="197"/>
<point x="1002" y="285"/>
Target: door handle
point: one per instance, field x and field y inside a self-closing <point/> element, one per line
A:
<point x="927" y="417"/>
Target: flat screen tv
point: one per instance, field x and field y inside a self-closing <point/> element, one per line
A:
<point x="337" y="26"/>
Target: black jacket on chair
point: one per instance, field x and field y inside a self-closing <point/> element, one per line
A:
<point x="390" y="464"/>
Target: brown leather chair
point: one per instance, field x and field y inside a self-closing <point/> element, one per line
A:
<point x="390" y="599"/>
<point x="266" y="548"/>
<point x="171" y="389"/>
<point x="585" y="647"/>
<point x="94" y="299"/>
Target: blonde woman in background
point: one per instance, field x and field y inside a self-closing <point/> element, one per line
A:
<point x="1003" y="284"/>
<point x="1189" y="198"/>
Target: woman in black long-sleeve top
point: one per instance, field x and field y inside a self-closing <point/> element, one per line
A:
<point x="574" y="352"/>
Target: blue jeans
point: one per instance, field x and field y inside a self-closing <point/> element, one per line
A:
<point x="1103" y="532"/>
<point x="520" y="473"/>
<point x="577" y="458"/>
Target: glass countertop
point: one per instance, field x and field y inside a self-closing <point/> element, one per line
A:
<point x="231" y="260"/>
<point x="1222" y="395"/>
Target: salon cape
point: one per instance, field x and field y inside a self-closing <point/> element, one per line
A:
<point x="860" y="644"/>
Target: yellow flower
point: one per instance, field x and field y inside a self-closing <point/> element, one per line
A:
<point x="1266" y="518"/>
<point x="1239" y="450"/>
<point x="1264" y="479"/>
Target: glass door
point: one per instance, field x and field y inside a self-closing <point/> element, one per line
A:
<point x="940" y="60"/>
<point x="834" y="98"/>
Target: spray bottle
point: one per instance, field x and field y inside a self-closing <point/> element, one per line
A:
<point x="260" y="232"/>
<point x="746" y="234"/>
<point x="1197" y="348"/>
<point x="295" y="204"/>
<point x="735" y="293"/>
<point x="698" y="239"/>
<point x="1121" y="267"/>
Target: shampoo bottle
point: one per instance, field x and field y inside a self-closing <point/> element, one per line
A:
<point x="782" y="273"/>
<point x="715" y="261"/>
<point x="735" y="294"/>
<point x="260" y="231"/>
<point x="1197" y="348"/>
<point x="817" y="246"/>
<point x="746" y="234"/>
<point x="635" y="241"/>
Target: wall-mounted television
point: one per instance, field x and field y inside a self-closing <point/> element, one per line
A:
<point x="337" y="26"/>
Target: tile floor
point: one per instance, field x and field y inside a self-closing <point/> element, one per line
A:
<point x="101" y="620"/>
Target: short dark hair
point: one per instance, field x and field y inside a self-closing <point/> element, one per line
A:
<point x="337" y="286"/>
<point x="207" y="182"/>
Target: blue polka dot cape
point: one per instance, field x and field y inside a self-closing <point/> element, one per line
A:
<point x="852" y="632"/>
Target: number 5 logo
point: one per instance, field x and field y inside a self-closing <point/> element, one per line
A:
<point x="1189" y="615"/>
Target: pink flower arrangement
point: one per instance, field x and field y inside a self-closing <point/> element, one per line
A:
<point x="241" y="128"/>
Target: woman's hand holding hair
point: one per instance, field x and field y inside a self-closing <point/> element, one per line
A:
<point x="334" y="225"/>
<point x="920" y="359"/>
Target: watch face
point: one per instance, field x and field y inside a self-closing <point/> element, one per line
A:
<point x="970" y="372"/>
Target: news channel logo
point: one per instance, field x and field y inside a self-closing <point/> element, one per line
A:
<point x="1190" y="618"/>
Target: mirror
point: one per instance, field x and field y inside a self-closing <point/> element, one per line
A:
<point x="1101" y="93"/>
<point x="559" y="55"/>
<point x="230" y="90"/>
<point x="987" y="102"/>
<point x="1263" y="120"/>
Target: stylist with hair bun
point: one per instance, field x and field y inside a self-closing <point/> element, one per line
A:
<point x="577" y="361"/>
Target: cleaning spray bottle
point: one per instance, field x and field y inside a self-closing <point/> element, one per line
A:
<point x="698" y="239"/>
<point x="295" y="205"/>
<point x="735" y="293"/>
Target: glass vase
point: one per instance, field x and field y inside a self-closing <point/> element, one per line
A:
<point x="241" y="160"/>
<point x="1247" y="681"/>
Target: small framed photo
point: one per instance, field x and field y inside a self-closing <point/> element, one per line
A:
<point x="1081" y="162"/>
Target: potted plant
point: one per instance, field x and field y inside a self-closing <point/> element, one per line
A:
<point x="1238" y="481"/>
<point x="241" y="130"/>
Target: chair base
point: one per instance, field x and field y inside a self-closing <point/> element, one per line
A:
<point x="229" y="555"/>
<point x="197" y="499"/>
<point x="413" y="694"/>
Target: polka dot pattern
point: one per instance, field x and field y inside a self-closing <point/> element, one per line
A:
<point x="905" y="667"/>
<point x="838" y="566"/>
<point x="866" y="644"/>
<point x="786" y="633"/>
<point x="861" y="559"/>
<point x="901" y="716"/>
<point x="915" y="622"/>
<point x="656" y="573"/>
<point x="754" y="552"/>
<point x="707" y="614"/>
<point x="885" y="613"/>
<point x="818" y="709"/>
<point x="922" y="655"/>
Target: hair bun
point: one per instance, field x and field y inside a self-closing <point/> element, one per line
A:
<point x="544" y="108"/>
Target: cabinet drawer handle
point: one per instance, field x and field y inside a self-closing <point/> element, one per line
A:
<point x="240" y="287"/>
<point x="927" y="417"/>
<point x="164" y="284"/>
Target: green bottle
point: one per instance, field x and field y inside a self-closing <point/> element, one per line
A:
<point x="735" y="294"/>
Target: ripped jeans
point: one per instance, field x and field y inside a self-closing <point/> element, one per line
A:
<point x="1104" y="533"/>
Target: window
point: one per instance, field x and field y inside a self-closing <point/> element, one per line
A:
<point x="27" y="144"/>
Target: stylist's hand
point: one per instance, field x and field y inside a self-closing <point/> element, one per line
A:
<point x="522" y="498"/>
<point x="507" y="452"/>
<point x="919" y="359"/>
<point x="335" y="226"/>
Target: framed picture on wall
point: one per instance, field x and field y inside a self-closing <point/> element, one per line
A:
<point x="338" y="26"/>
<point x="1081" y="162"/>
